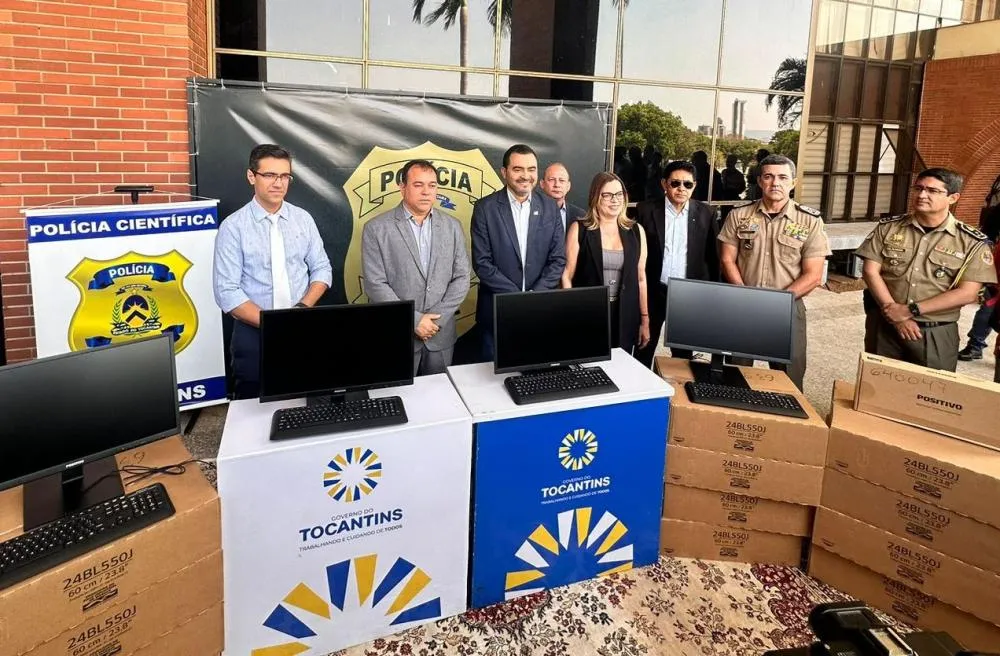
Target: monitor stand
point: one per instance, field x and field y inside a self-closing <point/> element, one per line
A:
<point x="718" y="373"/>
<point x="75" y="488"/>
<point x="326" y="399"/>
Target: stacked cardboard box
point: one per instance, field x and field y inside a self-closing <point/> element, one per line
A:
<point x="909" y="518"/>
<point x="156" y="591"/>
<point x="740" y="486"/>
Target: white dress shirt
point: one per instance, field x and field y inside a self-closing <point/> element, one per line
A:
<point x="522" y="214"/>
<point x="675" y="242"/>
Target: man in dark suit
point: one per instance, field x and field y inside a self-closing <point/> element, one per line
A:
<point x="681" y="233"/>
<point x="556" y="184"/>
<point x="518" y="241"/>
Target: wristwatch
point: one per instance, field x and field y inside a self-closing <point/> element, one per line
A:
<point x="914" y="309"/>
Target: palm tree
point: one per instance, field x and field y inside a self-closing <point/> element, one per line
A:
<point x="790" y="76"/>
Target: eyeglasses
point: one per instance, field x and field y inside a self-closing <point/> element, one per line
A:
<point x="675" y="184"/>
<point x="931" y="191"/>
<point x="272" y="177"/>
<point x="607" y="195"/>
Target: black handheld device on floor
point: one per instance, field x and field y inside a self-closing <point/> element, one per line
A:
<point x="850" y="628"/>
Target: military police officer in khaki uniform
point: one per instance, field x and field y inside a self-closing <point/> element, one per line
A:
<point x="776" y="243"/>
<point x="921" y="268"/>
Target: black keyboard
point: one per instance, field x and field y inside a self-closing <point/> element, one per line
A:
<point x="742" y="398"/>
<point x="539" y="386"/>
<point x="338" y="417"/>
<point x="52" y="544"/>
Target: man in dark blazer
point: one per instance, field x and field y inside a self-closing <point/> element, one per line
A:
<point x="681" y="234"/>
<point x="518" y="241"/>
<point x="556" y="184"/>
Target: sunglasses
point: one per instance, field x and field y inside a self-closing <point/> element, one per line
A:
<point x="674" y="184"/>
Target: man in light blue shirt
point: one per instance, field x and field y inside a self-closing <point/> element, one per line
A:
<point x="268" y="255"/>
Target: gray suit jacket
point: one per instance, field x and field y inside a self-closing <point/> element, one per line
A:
<point x="391" y="264"/>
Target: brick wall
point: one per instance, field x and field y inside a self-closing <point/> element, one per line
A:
<point x="960" y="124"/>
<point x="92" y="94"/>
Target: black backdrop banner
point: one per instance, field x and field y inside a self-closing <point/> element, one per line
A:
<point x="347" y="148"/>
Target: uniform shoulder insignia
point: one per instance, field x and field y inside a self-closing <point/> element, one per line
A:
<point x="809" y="210"/>
<point x="892" y="219"/>
<point x="966" y="228"/>
<point x="746" y="204"/>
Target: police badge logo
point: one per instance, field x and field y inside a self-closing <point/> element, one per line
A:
<point x="131" y="297"/>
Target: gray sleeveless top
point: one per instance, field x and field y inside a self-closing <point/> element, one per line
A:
<point x="614" y="263"/>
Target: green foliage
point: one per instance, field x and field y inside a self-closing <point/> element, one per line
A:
<point x="785" y="142"/>
<point x="790" y="76"/>
<point x="645" y="123"/>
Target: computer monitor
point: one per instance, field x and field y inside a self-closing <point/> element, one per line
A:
<point x="63" y="418"/>
<point x="335" y="352"/>
<point x="721" y="319"/>
<point x="542" y="330"/>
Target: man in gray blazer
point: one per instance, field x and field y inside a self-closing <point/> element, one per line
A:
<point x="417" y="252"/>
<point x="518" y="240"/>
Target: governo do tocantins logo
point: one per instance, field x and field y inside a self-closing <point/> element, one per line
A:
<point x="578" y="449"/>
<point x="352" y="474"/>
<point x="464" y="176"/>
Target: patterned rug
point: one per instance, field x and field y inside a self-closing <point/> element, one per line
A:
<point x="678" y="606"/>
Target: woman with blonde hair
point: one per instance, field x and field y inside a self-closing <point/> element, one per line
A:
<point x="607" y="248"/>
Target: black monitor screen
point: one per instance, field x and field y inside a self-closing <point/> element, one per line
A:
<point x="330" y="349"/>
<point x="713" y="317"/>
<point x="535" y="330"/>
<point x="85" y="405"/>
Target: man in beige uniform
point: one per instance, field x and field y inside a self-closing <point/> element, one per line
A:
<point x="776" y="243"/>
<point x="921" y="268"/>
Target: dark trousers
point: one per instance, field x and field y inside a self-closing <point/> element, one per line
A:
<point x="980" y="330"/>
<point x="938" y="348"/>
<point x="656" y="301"/>
<point x="245" y="351"/>
<point x="797" y="369"/>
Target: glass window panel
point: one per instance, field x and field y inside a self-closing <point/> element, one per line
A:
<point x="859" y="202"/>
<point x="883" y="196"/>
<point x="885" y="3"/>
<point x="810" y="192"/>
<point x="856" y="32"/>
<point x="815" y="148"/>
<point x="873" y="91"/>
<point x="559" y="36"/>
<point x="925" y="43"/>
<point x="830" y="27"/>
<point x="881" y="29"/>
<point x="289" y="71"/>
<point x="895" y="103"/>
<point x="908" y="5"/>
<point x="838" y="199"/>
<point x="952" y="9"/>
<point x="522" y="86"/>
<point x="842" y="155"/>
<point x="925" y="22"/>
<point x="850" y="85"/>
<point x="433" y="82"/>
<point x="689" y="26"/>
<point x="674" y="122"/>
<point x="238" y="25"/>
<point x="887" y="152"/>
<point x="824" y="85"/>
<point x="866" y="148"/>
<point x="950" y="22"/>
<point x="748" y="60"/>
<point x="395" y="35"/>
<point x="930" y="7"/>
<point x="902" y="42"/>
<point x="315" y="27"/>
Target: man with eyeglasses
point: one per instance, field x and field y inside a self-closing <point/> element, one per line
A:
<point x="776" y="243"/>
<point x="681" y="233"/>
<point x="921" y="268"/>
<point x="268" y="255"/>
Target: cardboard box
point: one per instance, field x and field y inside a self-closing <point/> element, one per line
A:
<point x="726" y="472"/>
<point x="941" y="530"/>
<point x="758" y="434"/>
<point x="78" y="591"/>
<point x="134" y="622"/>
<point x="947" y="473"/>
<point x="901" y="601"/>
<point x="202" y="634"/>
<point x="736" y="510"/>
<point x="941" y="401"/>
<point x="962" y="585"/>
<point x="684" y="539"/>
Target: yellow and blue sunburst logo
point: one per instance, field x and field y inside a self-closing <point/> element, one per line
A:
<point x="603" y="545"/>
<point x="578" y="449"/>
<point x="352" y="474"/>
<point x="393" y="596"/>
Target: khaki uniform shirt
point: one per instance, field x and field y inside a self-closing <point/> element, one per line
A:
<point x="918" y="264"/>
<point x="770" y="251"/>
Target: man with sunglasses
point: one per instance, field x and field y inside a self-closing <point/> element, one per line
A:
<point x="921" y="268"/>
<point x="681" y="234"/>
<point x="774" y="242"/>
<point x="268" y="255"/>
